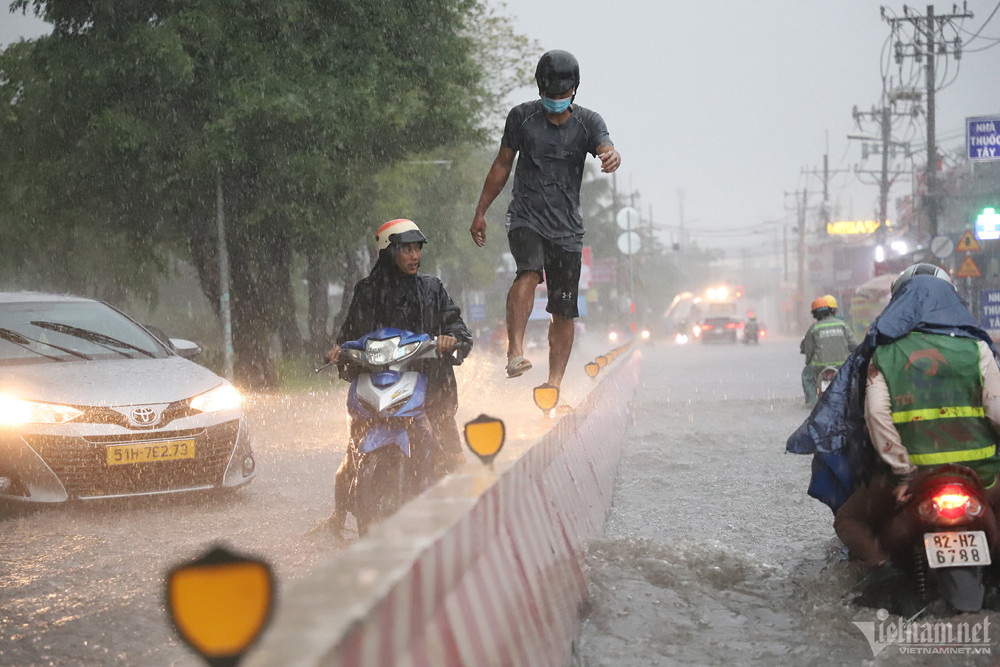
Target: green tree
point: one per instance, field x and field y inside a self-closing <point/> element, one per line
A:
<point x="127" y="117"/>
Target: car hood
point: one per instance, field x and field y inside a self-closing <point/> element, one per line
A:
<point x="109" y="382"/>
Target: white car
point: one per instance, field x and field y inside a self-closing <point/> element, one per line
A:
<point x="93" y="405"/>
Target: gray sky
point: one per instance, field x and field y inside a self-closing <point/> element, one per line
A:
<point x="731" y="101"/>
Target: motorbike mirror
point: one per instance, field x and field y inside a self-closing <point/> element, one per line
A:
<point x="546" y="396"/>
<point x="220" y="603"/>
<point x="485" y="436"/>
<point x="592" y="368"/>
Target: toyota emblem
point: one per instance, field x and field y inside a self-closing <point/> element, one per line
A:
<point x="144" y="416"/>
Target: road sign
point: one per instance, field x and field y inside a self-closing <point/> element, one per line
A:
<point x="942" y="247"/>
<point x="989" y="312"/>
<point x="968" y="242"/>
<point x="982" y="138"/>
<point x="627" y="218"/>
<point x="629" y="243"/>
<point x="477" y="312"/>
<point x="969" y="269"/>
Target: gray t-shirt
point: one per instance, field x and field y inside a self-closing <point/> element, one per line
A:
<point x="550" y="169"/>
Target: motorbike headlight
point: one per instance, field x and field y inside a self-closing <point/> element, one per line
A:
<point x="15" y="412"/>
<point x="223" y="397"/>
<point x="381" y="352"/>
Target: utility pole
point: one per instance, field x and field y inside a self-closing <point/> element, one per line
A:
<point x="800" y="286"/>
<point x="802" y="256"/>
<point x="884" y="118"/>
<point x="928" y="41"/>
<point x="825" y="174"/>
<point x="224" y="305"/>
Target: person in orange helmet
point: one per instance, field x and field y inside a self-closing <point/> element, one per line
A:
<point x="827" y="343"/>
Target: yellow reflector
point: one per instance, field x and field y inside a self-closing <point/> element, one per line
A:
<point x="546" y="396"/>
<point x="592" y="368"/>
<point x="602" y="361"/>
<point x="220" y="603"/>
<point x="485" y="435"/>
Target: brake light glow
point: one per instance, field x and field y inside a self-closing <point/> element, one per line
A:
<point x="730" y="325"/>
<point x="705" y="327"/>
<point x="950" y="503"/>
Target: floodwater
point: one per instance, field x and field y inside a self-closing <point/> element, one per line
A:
<point x="82" y="583"/>
<point x="713" y="554"/>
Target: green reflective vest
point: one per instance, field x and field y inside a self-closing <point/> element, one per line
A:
<point x="828" y="342"/>
<point x="936" y="393"/>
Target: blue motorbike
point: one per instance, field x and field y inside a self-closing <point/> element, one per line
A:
<point x="390" y="431"/>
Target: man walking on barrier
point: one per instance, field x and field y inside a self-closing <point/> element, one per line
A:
<point x="544" y="226"/>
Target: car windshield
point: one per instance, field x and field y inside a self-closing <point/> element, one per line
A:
<point x="56" y="331"/>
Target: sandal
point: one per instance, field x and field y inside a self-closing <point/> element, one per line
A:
<point x="517" y="366"/>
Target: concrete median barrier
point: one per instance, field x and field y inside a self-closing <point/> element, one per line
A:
<point x="486" y="568"/>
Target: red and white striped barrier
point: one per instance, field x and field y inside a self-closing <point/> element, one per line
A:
<point x="492" y="571"/>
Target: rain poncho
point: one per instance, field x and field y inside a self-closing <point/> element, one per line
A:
<point x="834" y="432"/>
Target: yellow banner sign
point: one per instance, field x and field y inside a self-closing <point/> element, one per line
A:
<point x="853" y="226"/>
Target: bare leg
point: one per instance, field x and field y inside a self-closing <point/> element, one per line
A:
<point x="561" y="331"/>
<point x="520" y="299"/>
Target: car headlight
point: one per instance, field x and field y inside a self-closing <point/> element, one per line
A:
<point x="223" y="397"/>
<point x="15" y="412"/>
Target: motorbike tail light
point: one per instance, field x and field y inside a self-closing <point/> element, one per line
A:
<point x="950" y="503"/>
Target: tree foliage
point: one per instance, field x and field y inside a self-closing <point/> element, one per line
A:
<point x="120" y="125"/>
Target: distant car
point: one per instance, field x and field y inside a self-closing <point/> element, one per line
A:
<point x="93" y="405"/>
<point x="717" y="329"/>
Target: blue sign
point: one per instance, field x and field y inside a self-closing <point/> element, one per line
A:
<point x="989" y="302"/>
<point x="477" y="312"/>
<point x="982" y="138"/>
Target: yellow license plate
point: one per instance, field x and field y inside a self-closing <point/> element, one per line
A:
<point x="145" y="452"/>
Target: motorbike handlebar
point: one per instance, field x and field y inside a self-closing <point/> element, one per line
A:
<point x="456" y="356"/>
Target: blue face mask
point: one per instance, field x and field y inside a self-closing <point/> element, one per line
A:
<point x="556" y="106"/>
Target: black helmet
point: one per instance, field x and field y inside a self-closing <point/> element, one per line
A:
<point x="922" y="269"/>
<point x="557" y="72"/>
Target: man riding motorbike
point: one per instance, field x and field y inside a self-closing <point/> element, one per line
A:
<point x="827" y="343"/>
<point x="751" y="331"/>
<point x="931" y="398"/>
<point x="396" y="295"/>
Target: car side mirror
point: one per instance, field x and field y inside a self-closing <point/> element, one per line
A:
<point x="185" y="348"/>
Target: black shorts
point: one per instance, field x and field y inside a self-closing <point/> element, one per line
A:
<point x="561" y="268"/>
